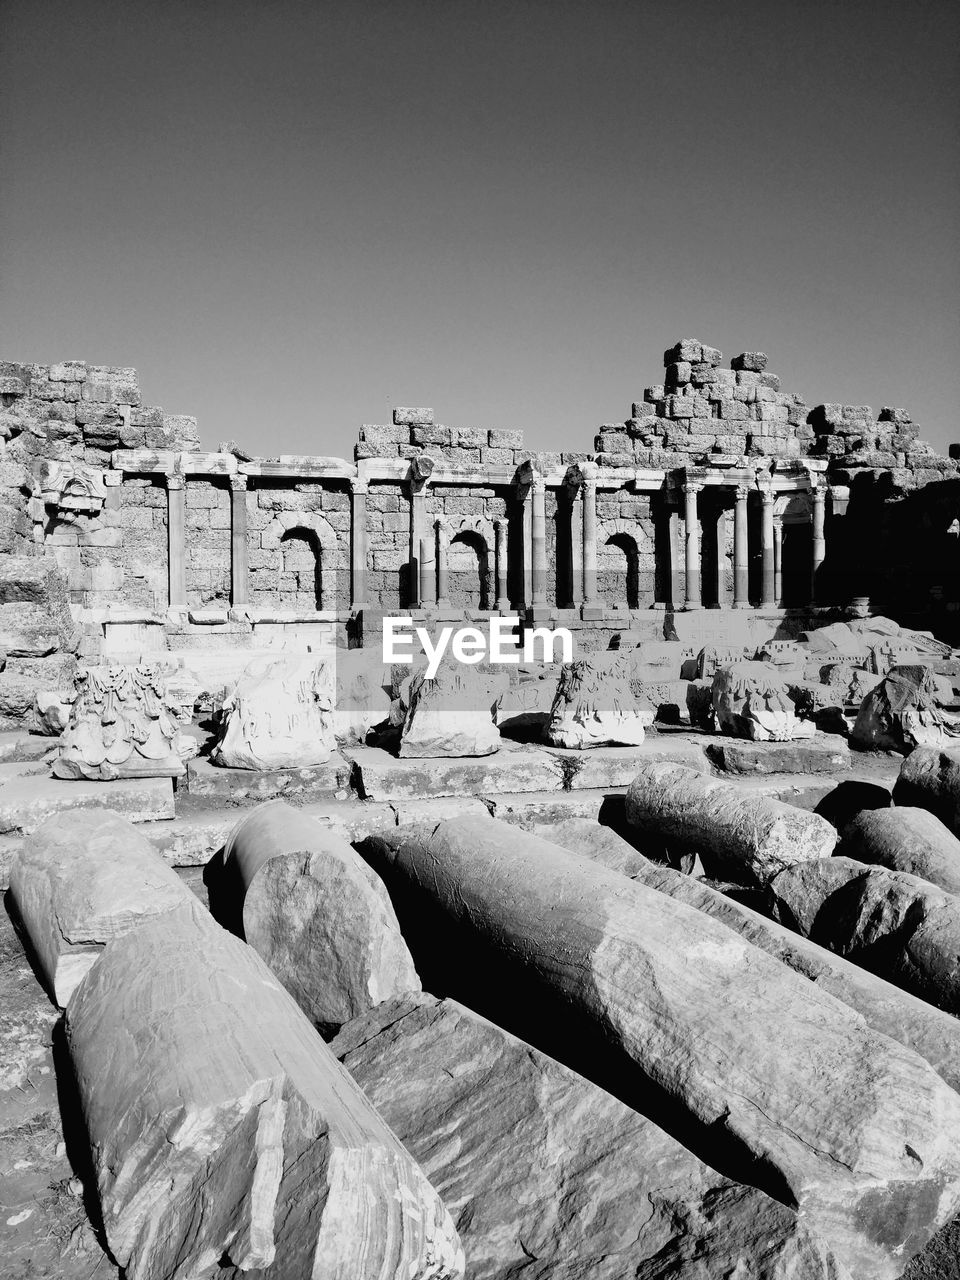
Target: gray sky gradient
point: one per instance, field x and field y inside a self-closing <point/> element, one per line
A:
<point x="291" y="216"/>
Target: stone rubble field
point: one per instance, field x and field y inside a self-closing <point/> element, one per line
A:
<point x="646" y="967"/>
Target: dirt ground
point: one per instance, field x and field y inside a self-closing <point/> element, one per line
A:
<point x="49" y="1228"/>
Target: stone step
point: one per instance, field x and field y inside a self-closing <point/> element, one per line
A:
<point x="25" y="801"/>
<point x="252" y="786"/>
<point x="827" y="753"/>
<point x="382" y="776"/>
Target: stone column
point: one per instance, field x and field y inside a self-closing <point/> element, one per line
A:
<point x="358" y="543"/>
<point x="176" y="540"/>
<point x="588" y="471"/>
<point x="417" y="514"/>
<point x="428" y="569"/>
<point x="768" y="589"/>
<point x="722" y="558"/>
<point x="238" y="541"/>
<point x="741" y="578"/>
<point x="500" y="530"/>
<point x="538" y="540"/>
<point x="819" y="540"/>
<point x="778" y="560"/>
<point x="692" y="541"/>
<point x="443" y="546"/>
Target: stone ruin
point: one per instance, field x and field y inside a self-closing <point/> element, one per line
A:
<point x="529" y="966"/>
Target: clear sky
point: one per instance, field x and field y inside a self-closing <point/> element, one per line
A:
<point x="290" y="217"/>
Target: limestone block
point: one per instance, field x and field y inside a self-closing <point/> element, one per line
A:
<point x="896" y="925"/>
<point x="524" y="712"/>
<point x="550" y="1175"/>
<point x="906" y="839"/>
<point x="27" y="802"/>
<point x="450" y="715"/>
<point x="827" y="754"/>
<point x="224" y="1131"/>
<point x="363" y="698"/>
<point x="383" y="777"/>
<point x="750" y="700"/>
<point x="318" y="915"/>
<point x="279" y="715"/>
<point x="413" y="417"/>
<point x="742" y="834"/>
<point x="712" y="657"/>
<point x="743" y="1049"/>
<point x="930" y="778"/>
<point x="81" y="880"/>
<point x="752" y="361"/>
<point x="27" y="631"/>
<point x="688" y="349"/>
<point x="902" y="713"/>
<point x="595" y="706"/>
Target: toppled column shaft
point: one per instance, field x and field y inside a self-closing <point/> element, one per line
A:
<point x="222" y="1127"/>
<point x="758" y="1059"/>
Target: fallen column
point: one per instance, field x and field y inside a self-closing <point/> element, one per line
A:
<point x="905" y="839"/>
<point x="82" y="879"/>
<point x="317" y="914"/>
<point x="920" y="1026"/>
<point x="898" y="926"/>
<point x="222" y="1129"/>
<point x="734" y="832"/>
<point x="552" y="1175"/>
<point x="757" y="1062"/>
<point x="930" y="779"/>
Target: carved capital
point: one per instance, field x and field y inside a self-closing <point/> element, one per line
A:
<point x="359" y="486"/>
<point x="742" y="492"/>
<point x="768" y="496"/>
<point x="238" y="483"/>
<point x="692" y="487"/>
<point x="175" y="481"/>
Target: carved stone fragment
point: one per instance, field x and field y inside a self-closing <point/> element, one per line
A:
<point x="750" y="700"/>
<point x="279" y="716"/>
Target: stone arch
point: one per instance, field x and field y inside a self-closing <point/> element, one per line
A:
<point x="470" y="571"/>
<point x="621" y="545"/>
<point x="297" y="535"/>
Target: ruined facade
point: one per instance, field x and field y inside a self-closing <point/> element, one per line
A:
<point x="720" y="490"/>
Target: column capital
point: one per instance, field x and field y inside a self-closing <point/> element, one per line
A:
<point x="692" y="486"/>
<point x="359" y="486"/>
<point x="174" y="480"/>
<point x="768" y="496"/>
<point x="238" y="483"/>
<point x="742" y="492"/>
<point x="501" y="524"/>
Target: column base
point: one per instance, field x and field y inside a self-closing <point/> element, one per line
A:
<point x="742" y="604"/>
<point x="539" y="613"/>
<point x="592" y="611"/>
<point x="690" y="605"/>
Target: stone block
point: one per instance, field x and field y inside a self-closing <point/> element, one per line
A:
<point x="505" y="439"/>
<point x="687" y="349"/>
<point x="680" y="406"/>
<point x="111" y="386"/>
<point x="25" y="803"/>
<point x="384" y="777"/>
<point x="617" y="766"/>
<point x="252" y="786"/>
<point x="69" y="371"/>
<point x="679" y="373"/>
<point x="412" y="417"/>
<point x="430" y="435"/>
<point x="822" y="755"/>
<point x="711" y="355"/>
<point x="470" y="437"/>
<point x="749" y="361"/>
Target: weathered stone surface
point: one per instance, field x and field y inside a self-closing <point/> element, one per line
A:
<point x="595" y="707"/>
<point x="750" y="700"/>
<point x="589" y="839"/>
<point x="240" y="786"/>
<point x="933" y="1034"/>
<point x="548" y="1175"/>
<point x="81" y="880"/>
<point x="617" y="766"/>
<point x="23" y="680"/>
<point x="930" y="779"/>
<point x="124" y="723"/>
<point x="27" y="631"/>
<point x="746" y="1049"/>
<point x="523" y="713"/>
<point x="318" y="916"/>
<point x="223" y="1129"/>
<point x="32" y="580"/>
<point x="363" y="698"/>
<point x="827" y="754"/>
<point x="27" y="802"/>
<point x="450" y="715"/>
<point x="901" y="713"/>
<point x="896" y="925"/>
<point x="736" y="833"/>
<point x="905" y="839"/>
<point x="853" y="796"/>
<point x="279" y="716"/>
<point x="383" y="777"/>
